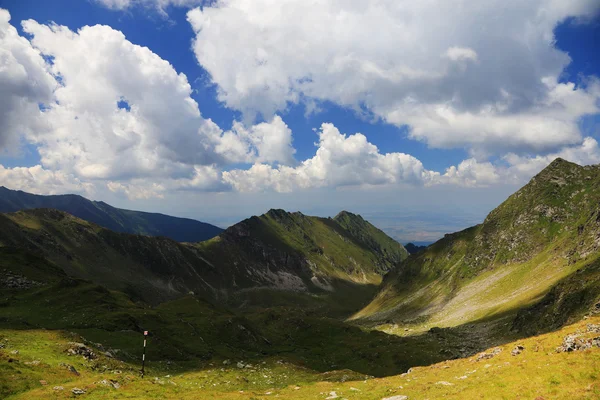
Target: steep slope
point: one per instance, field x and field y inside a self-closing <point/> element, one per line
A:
<point x="279" y="250"/>
<point x="543" y="233"/>
<point x="282" y="247"/>
<point x="390" y="251"/>
<point x="116" y="219"/>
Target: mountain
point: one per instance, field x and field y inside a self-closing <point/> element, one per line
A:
<point x="390" y="251"/>
<point x="538" y="249"/>
<point x="413" y="248"/>
<point x="116" y="219"/>
<point x="278" y="250"/>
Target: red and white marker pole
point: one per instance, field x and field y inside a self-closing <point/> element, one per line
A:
<point x="144" y="353"/>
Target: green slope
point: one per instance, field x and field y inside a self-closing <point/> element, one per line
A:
<point x="116" y="219"/>
<point x="539" y="236"/>
<point x="390" y="252"/>
<point x="279" y="250"/>
<point x="41" y="319"/>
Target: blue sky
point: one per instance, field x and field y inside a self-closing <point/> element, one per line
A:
<point x="443" y="99"/>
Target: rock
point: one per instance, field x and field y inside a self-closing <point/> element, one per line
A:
<point x="444" y="383"/>
<point x="240" y="364"/>
<point x="397" y="397"/>
<point x="595" y="328"/>
<point x="332" y="395"/>
<point x="70" y="368"/>
<point x="576" y="341"/>
<point x="77" y="391"/>
<point x="14" y="352"/>
<point x="490" y="354"/>
<point x="226" y="362"/>
<point x="43" y="382"/>
<point x="517" y="350"/>
<point x="82" y="350"/>
<point x="58" y="388"/>
<point x="12" y="281"/>
<point x="111" y="383"/>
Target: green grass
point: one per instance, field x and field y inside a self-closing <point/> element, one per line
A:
<point x="539" y="371"/>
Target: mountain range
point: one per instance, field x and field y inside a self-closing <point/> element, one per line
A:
<point x="278" y="250"/>
<point x="304" y="307"/>
<point x="107" y="216"/>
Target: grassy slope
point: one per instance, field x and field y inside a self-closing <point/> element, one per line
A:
<point x="187" y="334"/>
<point x="540" y="235"/>
<point x="116" y="219"/>
<point x="549" y="375"/>
<point x="278" y="250"/>
<point x="330" y="249"/>
<point x="373" y="238"/>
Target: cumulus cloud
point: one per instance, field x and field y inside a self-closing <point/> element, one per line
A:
<point x="515" y="169"/>
<point x="340" y="160"/>
<point x="120" y="111"/>
<point x="103" y="109"/>
<point x="269" y="142"/>
<point x="106" y="114"/>
<point x="468" y="74"/>
<point x="24" y="82"/>
<point x="36" y="179"/>
<point x="350" y="160"/>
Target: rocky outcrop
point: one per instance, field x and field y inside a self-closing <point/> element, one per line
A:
<point x="8" y="280"/>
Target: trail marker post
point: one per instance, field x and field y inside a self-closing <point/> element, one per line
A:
<point x="144" y="353"/>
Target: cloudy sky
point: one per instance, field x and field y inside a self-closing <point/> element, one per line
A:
<point x="421" y="115"/>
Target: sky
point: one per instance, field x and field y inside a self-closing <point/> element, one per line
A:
<point x="422" y="115"/>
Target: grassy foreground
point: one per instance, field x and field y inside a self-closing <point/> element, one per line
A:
<point x="34" y="365"/>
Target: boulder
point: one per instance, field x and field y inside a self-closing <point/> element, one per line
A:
<point x="517" y="350"/>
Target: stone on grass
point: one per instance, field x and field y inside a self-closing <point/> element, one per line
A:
<point x="517" y="350"/>
<point x="77" y="391"/>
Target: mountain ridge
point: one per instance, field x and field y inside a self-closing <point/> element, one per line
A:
<point x="278" y="250"/>
<point x="107" y="216"/>
<point x="541" y="235"/>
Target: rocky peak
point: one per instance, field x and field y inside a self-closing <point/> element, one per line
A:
<point x="347" y="214"/>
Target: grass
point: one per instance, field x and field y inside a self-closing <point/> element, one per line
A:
<point x="538" y="372"/>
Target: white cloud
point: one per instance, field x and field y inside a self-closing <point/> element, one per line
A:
<point x="160" y="5"/>
<point x="117" y="113"/>
<point x="340" y="160"/>
<point x="461" y="53"/>
<point x="24" y="83"/>
<point x="162" y="134"/>
<point x="516" y="169"/>
<point x="36" y="179"/>
<point x="160" y="143"/>
<point x="267" y="142"/>
<point x="495" y="88"/>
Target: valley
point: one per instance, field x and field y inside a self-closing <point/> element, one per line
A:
<point x="300" y="307"/>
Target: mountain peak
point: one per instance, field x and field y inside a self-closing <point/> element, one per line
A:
<point x="347" y="214"/>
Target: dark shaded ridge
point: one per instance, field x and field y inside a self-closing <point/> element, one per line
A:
<point x="115" y="219"/>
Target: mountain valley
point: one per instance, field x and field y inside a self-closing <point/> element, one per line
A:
<point x="300" y="307"/>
